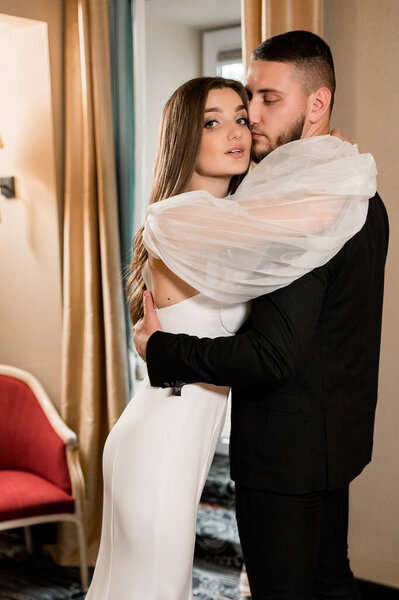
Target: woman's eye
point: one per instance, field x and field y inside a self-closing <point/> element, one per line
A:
<point x="243" y="121"/>
<point x="269" y="101"/>
<point x="211" y="124"/>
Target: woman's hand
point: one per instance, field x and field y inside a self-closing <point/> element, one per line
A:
<point x="338" y="134"/>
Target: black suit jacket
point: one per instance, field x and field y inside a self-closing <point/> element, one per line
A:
<point x="303" y="368"/>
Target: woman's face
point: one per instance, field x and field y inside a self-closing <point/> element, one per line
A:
<point x="226" y="140"/>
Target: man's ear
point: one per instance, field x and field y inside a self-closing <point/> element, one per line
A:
<point x="319" y="105"/>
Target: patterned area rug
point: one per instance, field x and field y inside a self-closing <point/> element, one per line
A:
<point x="219" y="488"/>
<point x="218" y="558"/>
<point x="25" y="577"/>
<point x="211" y="584"/>
<point x="37" y="577"/>
<point x="217" y="540"/>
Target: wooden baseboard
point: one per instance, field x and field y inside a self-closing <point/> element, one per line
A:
<point x="375" y="591"/>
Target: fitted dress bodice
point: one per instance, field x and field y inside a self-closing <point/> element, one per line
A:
<point x="203" y="317"/>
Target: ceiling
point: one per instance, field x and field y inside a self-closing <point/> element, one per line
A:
<point x="201" y="14"/>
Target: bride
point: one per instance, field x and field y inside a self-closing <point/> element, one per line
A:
<point x="215" y="241"/>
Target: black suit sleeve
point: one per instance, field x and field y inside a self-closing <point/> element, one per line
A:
<point x="267" y="350"/>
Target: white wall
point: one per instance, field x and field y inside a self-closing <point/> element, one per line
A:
<point x="173" y="55"/>
<point x="30" y="290"/>
<point x="363" y="35"/>
<point x="50" y="12"/>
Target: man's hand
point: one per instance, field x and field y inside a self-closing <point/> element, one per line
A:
<point x="146" y="326"/>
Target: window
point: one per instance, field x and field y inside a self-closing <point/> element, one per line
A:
<point x="221" y="54"/>
<point x="229" y="65"/>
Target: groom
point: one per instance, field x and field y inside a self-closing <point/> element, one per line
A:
<point x="303" y="368"/>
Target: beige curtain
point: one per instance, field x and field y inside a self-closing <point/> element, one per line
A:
<point x="94" y="378"/>
<point x="261" y="19"/>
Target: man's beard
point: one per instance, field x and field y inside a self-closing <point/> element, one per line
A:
<point x="294" y="133"/>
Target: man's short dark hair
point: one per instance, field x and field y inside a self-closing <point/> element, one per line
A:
<point x="308" y="52"/>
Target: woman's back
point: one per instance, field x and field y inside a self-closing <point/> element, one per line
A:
<point x="166" y="287"/>
<point x="195" y="313"/>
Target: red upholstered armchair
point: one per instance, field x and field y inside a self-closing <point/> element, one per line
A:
<point x="40" y="475"/>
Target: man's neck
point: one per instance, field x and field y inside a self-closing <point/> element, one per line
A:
<point x="314" y="129"/>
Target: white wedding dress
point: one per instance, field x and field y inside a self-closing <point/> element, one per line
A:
<point x="158" y="454"/>
<point x="156" y="460"/>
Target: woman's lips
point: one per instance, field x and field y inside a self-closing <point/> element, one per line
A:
<point x="236" y="152"/>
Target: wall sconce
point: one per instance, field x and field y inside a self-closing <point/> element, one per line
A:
<point x="7" y="184"/>
<point x="7" y="187"/>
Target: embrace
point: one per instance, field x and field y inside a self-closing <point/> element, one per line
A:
<point x="270" y="282"/>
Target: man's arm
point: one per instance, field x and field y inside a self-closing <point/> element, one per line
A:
<point x="267" y="351"/>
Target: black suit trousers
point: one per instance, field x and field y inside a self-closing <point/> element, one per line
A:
<point x="295" y="545"/>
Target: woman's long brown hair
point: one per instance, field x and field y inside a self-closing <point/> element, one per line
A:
<point x="179" y="143"/>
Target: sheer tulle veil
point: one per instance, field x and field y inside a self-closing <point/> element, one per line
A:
<point x="292" y="213"/>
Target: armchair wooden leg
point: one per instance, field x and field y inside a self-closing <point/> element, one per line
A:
<point x="84" y="575"/>
<point x="28" y="539"/>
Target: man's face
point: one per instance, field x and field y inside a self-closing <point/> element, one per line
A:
<point x="277" y="106"/>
